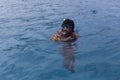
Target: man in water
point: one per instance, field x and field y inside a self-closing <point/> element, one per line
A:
<point x="67" y="50"/>
<point x="67" y="32"/>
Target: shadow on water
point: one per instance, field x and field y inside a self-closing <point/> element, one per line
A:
<point x="67" y="50"/>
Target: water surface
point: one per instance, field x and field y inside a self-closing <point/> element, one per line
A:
<point x="27" y="53"/>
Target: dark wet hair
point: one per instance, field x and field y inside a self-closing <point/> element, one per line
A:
<point x="68" y="23"/>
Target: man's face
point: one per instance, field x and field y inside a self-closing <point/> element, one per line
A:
<point x="67" y="29"/>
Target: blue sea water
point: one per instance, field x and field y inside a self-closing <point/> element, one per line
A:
<point x="27" y="53"/>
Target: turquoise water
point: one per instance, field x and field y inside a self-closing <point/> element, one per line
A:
<point x="27" y="53"/>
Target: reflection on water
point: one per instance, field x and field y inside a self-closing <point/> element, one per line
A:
<point x="67" y="50"/>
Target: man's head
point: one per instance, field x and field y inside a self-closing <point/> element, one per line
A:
<point x="68" y="24"/>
